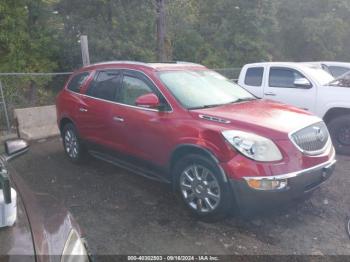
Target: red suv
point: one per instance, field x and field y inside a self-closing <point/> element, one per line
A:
<point x="218" y="145"/>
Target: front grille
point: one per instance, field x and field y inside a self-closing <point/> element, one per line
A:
<point x="312" y="139"/>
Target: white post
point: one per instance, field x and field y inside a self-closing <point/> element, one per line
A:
<point x="84" y="50"/>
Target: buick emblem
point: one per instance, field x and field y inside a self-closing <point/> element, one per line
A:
<point x="319" y="134"/>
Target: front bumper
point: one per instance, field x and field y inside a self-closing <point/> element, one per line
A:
<point x="299" y="184"/>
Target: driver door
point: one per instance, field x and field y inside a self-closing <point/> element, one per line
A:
<point x="141" y="131"/>
<point x="290" y="86"/>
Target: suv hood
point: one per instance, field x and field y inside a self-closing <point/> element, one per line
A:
<point x="264" y="117"/>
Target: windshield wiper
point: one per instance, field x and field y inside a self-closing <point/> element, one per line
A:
<point x="216" y="105"/>
<point x="244" y="99"/>
<point x="205" y="106"/>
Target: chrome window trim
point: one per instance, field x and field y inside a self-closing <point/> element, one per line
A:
<point x="136" y="107"/>
<point x="326" y="164"/>
<point x="310" y="153"/>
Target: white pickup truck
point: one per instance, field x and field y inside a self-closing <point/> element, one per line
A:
<point x="306" y="87"/>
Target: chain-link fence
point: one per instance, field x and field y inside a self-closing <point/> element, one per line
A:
<point x="21" y="90"/>
<point x="230" y="73"/>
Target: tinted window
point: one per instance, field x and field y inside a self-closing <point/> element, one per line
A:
<point x="132" y="89"/>
<point x="105" y="85"/>
<point x="280" y="77"/>
<point x="254" y="76"/>
<point x="337" y="71"/>
<point x="77" y="81"/>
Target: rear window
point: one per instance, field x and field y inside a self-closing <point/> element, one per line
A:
<point x="77" y="81"/>
<point x="337" y="71"/>
<point x="254" y="76"/>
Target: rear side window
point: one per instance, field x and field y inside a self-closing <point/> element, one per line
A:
<point x="254" y="76"/>
<point x="77" y="81"/>
<point x="283" y="77"/>
<point x="105" y="85"/>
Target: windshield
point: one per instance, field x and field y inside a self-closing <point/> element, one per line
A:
<point x="321" y="76"/>
<point x="201" y="89"/>
<point x="343" y="81"/>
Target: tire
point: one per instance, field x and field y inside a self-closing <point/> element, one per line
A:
<point x="339" y="128"/>
<point x="72" y="144"/>
<point x="207" y="196"/>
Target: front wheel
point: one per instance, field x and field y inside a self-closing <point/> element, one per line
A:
<point x="339" y="129"/>
<point x="202" y="188"/>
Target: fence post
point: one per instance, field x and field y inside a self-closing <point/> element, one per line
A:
<point x="5" y="107"/>
<point x="84" y="50"/>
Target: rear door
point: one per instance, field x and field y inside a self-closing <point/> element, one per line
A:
<point x="95" y="111"/>
<point x="281" y="86"/>
<point x="253" y="80"/>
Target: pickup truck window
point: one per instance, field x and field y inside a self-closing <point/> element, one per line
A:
<point x="284" y="77"/>
<point x="254" y="76"/>
<point x="343" y="81"/>
<point x="337" y="71"/>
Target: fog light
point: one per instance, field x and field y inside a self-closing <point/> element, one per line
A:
<point x="267" y="184"/>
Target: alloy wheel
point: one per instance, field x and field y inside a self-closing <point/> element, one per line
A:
<point x="200" y="188"/>
<point x="71" y="144"/>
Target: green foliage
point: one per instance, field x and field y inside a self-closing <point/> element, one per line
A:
<point x="43" y="35"/>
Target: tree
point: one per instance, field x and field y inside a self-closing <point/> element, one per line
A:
<point x="27" y="44"/>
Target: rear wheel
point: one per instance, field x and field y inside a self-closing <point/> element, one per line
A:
<point x="202" y="188"/>
<point x="73" y="147"/>
<point x="339" y="129"/>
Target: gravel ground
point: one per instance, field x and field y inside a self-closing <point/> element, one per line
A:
<point x="123" y="213"/>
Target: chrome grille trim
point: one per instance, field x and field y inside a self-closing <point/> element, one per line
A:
<point x="308" y="143"/>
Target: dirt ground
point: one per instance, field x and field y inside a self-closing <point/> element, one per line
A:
<point x="122" y="213"/>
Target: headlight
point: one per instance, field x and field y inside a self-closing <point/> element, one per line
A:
<point x="253" y="146"/>
<point x="74" y="249"/>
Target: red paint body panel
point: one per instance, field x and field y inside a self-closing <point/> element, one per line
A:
<point x="153" y="135"/>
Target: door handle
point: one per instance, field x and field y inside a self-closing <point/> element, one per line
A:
<point x="269" y="94"/>
<point x="118" y="119"/>
<point x="83" y="109"/>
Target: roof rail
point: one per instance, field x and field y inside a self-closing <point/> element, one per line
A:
<point x="189" y="63"/>
<point x="151" y="65"/>
<point x="120" y="62"/>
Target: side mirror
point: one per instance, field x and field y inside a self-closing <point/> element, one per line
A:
<point x="302" y="83"/>
<point x="148" y="101"/>
<point x="15" y="148"/>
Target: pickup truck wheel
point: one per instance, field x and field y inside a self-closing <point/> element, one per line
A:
<point x="73" y="147"/>
<point x="339" y="129"/>
<point x="202" y="189"/>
